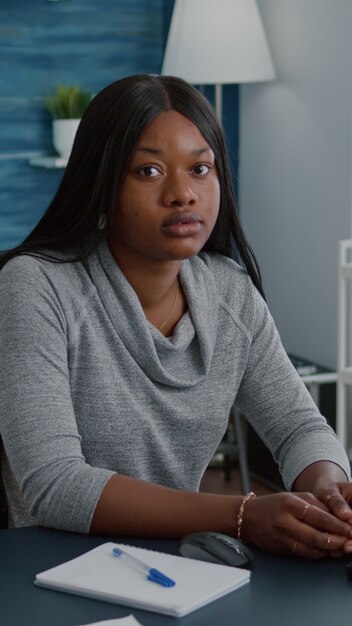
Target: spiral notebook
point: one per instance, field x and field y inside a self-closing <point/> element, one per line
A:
<point x="98" y="574"/>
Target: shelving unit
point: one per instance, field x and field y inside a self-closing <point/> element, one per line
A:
<point x="344" y="354"/>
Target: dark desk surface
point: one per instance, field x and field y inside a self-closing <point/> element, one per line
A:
<point x="282" y="591"/>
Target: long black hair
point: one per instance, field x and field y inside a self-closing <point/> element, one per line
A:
<point x="103" y="149"/>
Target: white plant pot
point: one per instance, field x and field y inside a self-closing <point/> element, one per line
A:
<point x="64" y="132"/>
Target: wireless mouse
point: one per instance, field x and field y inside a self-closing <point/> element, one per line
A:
<point x="216" y="548"/>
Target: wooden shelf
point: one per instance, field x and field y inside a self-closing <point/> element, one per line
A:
<point x="49" y="162"/>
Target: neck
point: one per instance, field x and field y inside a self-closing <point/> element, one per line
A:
<point x="151" y="280"/>
<point x="156" y="284"/>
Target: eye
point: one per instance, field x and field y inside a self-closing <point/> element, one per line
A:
<point x="149" y="171"/>
<point x="202" y="169"/>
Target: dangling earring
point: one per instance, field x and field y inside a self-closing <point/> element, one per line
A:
<point x="102" y="221"/>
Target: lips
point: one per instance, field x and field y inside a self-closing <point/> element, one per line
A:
<point x="186" y="217"/>
<point x="182" y="224"/>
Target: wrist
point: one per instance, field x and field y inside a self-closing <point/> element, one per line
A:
<point x="318" y="475"/>
<point x="240" y="533"/>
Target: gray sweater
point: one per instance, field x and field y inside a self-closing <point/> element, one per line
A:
<point x="89" y="387"/>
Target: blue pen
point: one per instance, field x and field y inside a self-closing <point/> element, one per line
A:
<point x="152" y="574"/>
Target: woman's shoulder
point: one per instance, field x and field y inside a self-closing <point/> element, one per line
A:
<point x="34" y="286"/>
<point x="26" y="266"/>
<point x="20" y="270"/>
<point x="219" y="262"/>
<point x="234" y="287"/>
<point x="30" y="274"/>
<point x="227" y="273"/>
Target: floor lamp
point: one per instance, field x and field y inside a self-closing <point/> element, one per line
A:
<point x="215" y="42"/>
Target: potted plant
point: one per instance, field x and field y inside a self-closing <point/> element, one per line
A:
<point x="66" y="106"/>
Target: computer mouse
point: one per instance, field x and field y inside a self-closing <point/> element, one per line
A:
<point x="216" y="548"/>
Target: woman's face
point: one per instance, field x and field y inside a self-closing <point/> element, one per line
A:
<point x="170" y="198"/>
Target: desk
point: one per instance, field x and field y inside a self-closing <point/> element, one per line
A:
<point x="283" y="591"/>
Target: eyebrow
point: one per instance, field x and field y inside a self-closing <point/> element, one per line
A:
<point x="195" y="152"/>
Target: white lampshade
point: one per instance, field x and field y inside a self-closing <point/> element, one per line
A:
<point x="217" y="42"/>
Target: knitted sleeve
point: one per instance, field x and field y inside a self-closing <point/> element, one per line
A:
<point x="37" y="421"/>
<point x="277" y="404"/>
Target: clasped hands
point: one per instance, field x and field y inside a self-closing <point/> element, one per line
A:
<point x="312" y="525"/>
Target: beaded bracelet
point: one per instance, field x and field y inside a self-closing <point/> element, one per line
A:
<point x="249" y="495"/>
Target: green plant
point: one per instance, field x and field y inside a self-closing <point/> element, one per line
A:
<point x="68" y="102"/>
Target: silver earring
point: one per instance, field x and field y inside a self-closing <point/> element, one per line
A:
<point x="102" y="221"/>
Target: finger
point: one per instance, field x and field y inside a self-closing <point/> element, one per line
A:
<point x="324" y="521"/>
<point x="305" y="511"/>
<point x="310" y="499"/>
<point x="347" y="547"/>
<point x="297" y="548"/>
<point x="323" y="541"/>
<point x="310" y="529"/>
<point x="338" y="506"/>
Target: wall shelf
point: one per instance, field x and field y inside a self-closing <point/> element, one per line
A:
<point x="49" y="162"/>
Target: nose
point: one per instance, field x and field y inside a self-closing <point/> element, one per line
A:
<point x="177" y="191"/>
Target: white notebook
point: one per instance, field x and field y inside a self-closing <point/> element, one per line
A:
<point x="98" y="574"/>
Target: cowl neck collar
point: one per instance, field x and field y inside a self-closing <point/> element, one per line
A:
<point x="182" y="360"/>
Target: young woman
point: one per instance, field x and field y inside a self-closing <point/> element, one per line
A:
<point x="127" y="333"/>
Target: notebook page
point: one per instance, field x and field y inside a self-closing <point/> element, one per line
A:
<point x="100" y="575"/>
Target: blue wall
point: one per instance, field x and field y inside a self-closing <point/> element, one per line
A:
<point x="42" y="43"/>
<point x="90" y="42"/>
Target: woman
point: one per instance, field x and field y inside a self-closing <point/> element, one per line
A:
<point x="127" y="332"/>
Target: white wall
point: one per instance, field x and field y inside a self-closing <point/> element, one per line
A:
<point x="295" y="168"/>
